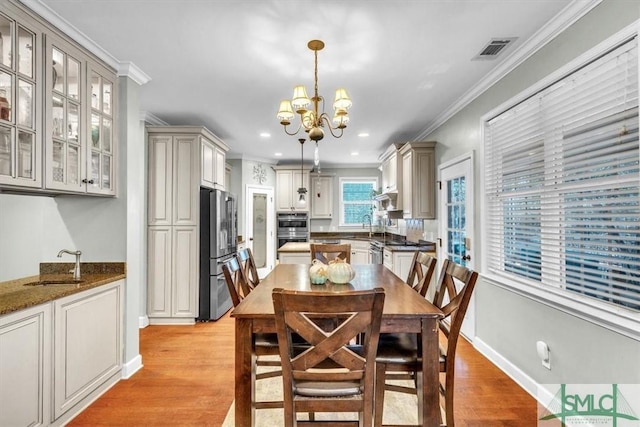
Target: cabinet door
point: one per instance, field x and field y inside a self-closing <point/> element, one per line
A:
<point x="207" y="163"/>
<point x="321" y="197"/>
<point x="219" y="160"/>
<point x="88" y="343"/>
<point x="387" y="259"/>
<point x="402" y="264"/>
<point x="160" y="180"/>
<point x="20" y="114"/>
<point x="24" y="351"/>
<point x="186" y="180"/>
<point x="66" y="130"/>
<point x="298" y="178"/>
<point x="284" y="185"/>
<point x="159" y="271"/>
<point x="424" y="188"/>
<point x="407" y="185"/>
<point x="185" y="277"/>
<point x="101" y="137"/>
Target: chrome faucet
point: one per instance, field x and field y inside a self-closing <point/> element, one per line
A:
<point x="367" y="217"/>
<point x="76" y="270"/>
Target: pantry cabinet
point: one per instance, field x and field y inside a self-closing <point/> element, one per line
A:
<point x="181" y="159"/>
<point x="321" y="197"/>
<point x="418" y="180"/>
<point x="287" y="183"/>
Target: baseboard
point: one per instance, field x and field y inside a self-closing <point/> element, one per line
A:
<point x="143" y="322"/>
<point x="131" y="367"/>
<point x="515" y="373"/>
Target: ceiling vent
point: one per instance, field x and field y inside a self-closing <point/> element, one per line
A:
<point x="494" y="48"/>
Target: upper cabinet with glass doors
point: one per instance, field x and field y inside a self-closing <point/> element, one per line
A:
<point x="20" y="150"/>
<point x="79" y="135"/>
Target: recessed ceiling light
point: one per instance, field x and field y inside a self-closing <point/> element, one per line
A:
<point x="354" y="153"/>
<point x="363" y="134"/>
<point x="277" y="154"/>
<point x="265" y="135"/>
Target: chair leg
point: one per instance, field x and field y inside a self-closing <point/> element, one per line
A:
<point x="381" y="369"/>
<point x="448" y="398"/>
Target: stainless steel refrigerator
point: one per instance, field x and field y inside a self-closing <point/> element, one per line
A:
<point x="218" y="243"/>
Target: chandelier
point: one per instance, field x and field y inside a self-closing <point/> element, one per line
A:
<point x="313" y="120"/>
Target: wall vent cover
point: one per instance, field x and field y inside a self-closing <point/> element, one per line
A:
<point x="492" y="49"/>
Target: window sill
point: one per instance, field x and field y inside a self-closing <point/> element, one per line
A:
<point x="625" y="322"/>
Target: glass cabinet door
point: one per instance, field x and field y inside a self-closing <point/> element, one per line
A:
<point x="19" y="153"/>
<point x="64" y="145"/>
<point x="101" y="162"/>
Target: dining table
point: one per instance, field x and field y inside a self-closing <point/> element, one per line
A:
<point x="405" y="310"/>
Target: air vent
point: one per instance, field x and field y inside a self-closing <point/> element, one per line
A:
<point x="494" y="48"/>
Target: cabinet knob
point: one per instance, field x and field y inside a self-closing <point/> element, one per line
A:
<point x="87" y="181"/>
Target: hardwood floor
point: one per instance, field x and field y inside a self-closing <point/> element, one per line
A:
<point x="187" y="380"/>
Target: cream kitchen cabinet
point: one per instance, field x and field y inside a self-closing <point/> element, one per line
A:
<point x="294" y="257"/>
<point x="20" y="99"/>
<point x="176" y="169"/>
<point x="80" y="130"/>
<point x="391" y="170"/>
<point x="287" y="183"/>
<point x="213" y="156"/>
<point x="25" y="343"/>
<point x="399" y="262"/>
<point x="418" y="180"/>
<point x="321" y="197"/>
<point x="359" y="251"/>
<point x="88" y="344"/>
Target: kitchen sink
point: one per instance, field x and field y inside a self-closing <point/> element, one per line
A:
<point x="55" y="282"/>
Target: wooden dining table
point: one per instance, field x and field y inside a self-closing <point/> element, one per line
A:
<point x="404" y="311"/>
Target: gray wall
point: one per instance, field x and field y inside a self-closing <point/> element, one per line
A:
<point x="510" y="324"/>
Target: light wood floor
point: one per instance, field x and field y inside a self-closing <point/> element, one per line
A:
<point x="187" y="380"/>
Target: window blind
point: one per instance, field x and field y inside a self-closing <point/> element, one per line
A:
<point x="563" y="183"/>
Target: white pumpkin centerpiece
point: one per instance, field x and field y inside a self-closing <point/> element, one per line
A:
<point x="318" y="272"/>
<point x="340" y="271"/>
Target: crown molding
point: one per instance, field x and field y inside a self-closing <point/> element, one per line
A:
<point x="124" y="69"/>
<point x="151" y="119"/>
<point x="559" y="23"/>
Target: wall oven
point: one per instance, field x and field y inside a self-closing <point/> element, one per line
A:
<point x="292" y="227"/>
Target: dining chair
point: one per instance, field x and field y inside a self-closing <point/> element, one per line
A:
<point x="401" y="352"/>
<point x="422" y="268"/>
<point x="248" y="265"/>
<point x="328" y="252"/>
<point x="331" y="375"/>
<point x="265" y="344"/>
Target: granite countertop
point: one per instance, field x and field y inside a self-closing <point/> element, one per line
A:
<point x="298" y="247"/>
<point x="17" y="294"/>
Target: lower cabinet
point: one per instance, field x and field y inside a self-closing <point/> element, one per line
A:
<point x="295" y="257"/>
<point x="398" y="262"/>
<point x="25" y="343"/>
<point x="87" y="344"/>
<point x="66" y="352"/>
<point x="359" y="251"/>
<point x="173" y="274"/>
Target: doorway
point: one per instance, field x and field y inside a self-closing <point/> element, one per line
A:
<point x="259" y="227"/>
<point x="457" y="222"/>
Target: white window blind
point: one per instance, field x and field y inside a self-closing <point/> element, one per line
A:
<point x="563" y="183"/>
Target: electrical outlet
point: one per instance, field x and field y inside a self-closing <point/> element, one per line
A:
<point x="544" y="353"/>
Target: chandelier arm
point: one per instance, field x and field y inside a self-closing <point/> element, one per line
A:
<point x="325" y="117"/>
<point x="294" y="133"/>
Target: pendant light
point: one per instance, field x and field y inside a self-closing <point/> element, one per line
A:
<point x="302" y="191"/>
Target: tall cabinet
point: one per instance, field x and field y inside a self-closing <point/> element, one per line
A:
<point x="288" y="180"/>
<point x="178" y="165"/>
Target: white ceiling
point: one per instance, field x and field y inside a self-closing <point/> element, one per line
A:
<point x="226" y="64"/>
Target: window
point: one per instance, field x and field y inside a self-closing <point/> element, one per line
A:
<point x="356" y="200"/>
<point x="562" y="184"/>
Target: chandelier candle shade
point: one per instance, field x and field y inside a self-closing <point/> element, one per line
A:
<point x="311" y="119"/>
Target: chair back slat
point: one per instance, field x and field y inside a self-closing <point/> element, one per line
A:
<point x="422" y="268"/>
<point x="248" y="265"/>
<point x="328" y="252"/>
<point x="236" y="280"/>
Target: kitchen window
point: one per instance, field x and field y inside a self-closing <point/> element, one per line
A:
<point x="562" y="185"/>
<point x="356" y="200"/>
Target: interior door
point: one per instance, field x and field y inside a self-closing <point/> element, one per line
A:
<point x="456" y="227"/>
<point x="259" y="228"/>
